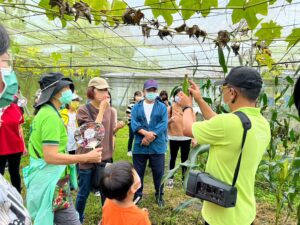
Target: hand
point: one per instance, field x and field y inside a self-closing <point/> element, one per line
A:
<point x="195" y="91"/>
<point x="166" y="103"/>
<point x="194" y="143"/>
<point x="94" y="156"/>
<point x="185" y="100"/>
<point x="145" y="142"/>
<point x="25" y="151"/>
<point x="104" y="104"/>
<point x="150" y="136"/>
<point x="120" y="125"/>
<point x="145" y="210"/>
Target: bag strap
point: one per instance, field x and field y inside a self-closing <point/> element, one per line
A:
<point x="246" y="125"/>
<point x="88" y="106"/>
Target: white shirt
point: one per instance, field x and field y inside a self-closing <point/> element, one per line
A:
<point x="148" y="110"/>
<point x="71" y="129"/>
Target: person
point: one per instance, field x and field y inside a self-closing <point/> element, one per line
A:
<point x="98" y="106"/>
<point x="296" y="95"/>
<point x="119" y="124"/>
<point x="149" y="122"/>
<point x="47" y="178"/>
<point x="8" y="79"/>
<point x="68" y="114"/>
<point x="119" y="183"/>
<point x="176" y="138"/>
<point x="138" y="96"/>
<point x="12" y="142"/>
<point x="223" y="132"/>
<point x="164" y="97"/>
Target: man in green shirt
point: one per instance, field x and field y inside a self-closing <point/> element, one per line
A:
<point x="223" y="132"/>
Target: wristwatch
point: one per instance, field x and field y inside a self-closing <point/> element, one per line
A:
<point x="187" y="107"/>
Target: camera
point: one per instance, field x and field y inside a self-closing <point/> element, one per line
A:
<point x="206" y="187"/>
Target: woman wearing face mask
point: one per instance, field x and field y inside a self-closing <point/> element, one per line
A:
<point x="98" y="109"/>
<point x="47" y="177"/>
<point x="69" y="117"/>
<point x="176" y="137"/>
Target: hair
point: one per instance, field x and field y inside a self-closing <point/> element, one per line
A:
<point x="117" y="180"/>
<point x="90" y="93"/>
<point x="163" y="92"/>
<point x="251" y="94"/>
<point x="110" y="102"/>
<point x="4" y="40"/>
<point x="177" y="91"/>
<point x="137" y="93"/>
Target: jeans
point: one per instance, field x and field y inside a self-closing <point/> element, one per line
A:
<point x="157" y="164"/>
<point x="13" y="168"/>
<point x="85" y="186"/>
<point x="185" y="147"/>
<point x="130" y="140"/>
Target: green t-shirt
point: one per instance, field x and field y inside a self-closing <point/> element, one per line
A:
<point x="47" y="128"/>
<point x="224" y="134"/>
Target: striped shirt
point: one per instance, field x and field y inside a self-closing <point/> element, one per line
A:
<point x="128" y="111"/>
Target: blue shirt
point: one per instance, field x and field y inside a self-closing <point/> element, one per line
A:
<point x="158" y="124"/>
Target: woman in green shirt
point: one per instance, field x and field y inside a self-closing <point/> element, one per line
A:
<point x="47" y="178"/>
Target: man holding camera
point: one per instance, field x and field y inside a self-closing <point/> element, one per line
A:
<point x="224" y="132"/>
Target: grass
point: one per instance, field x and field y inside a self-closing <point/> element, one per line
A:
<point x="173" y="197"/>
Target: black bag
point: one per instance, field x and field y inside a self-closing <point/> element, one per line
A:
<point x="206" y="187"/>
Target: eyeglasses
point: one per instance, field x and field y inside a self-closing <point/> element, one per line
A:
<point x="223" y="87"/>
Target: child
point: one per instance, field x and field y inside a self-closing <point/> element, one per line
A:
<point x="118" y="184"/>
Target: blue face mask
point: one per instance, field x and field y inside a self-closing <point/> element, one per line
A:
<point x="151" y="96"/>
<point x="66" y="97"/>
<point x="11" y="86"/>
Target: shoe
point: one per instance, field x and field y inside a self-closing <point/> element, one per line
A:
<point x="137" y="199"/>
<point x="129" y="153"/>
<point x="170" y="183"/>
<point x="160" y="201"/>
<point x="97" y="194"/>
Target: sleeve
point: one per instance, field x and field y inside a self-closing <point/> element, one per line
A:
<point x="135" y="124"/>
<point x="83" y="116"/>
<point x="209" y="131"/>
<point x="50" y="131"/>
<point x="162" y="126"/>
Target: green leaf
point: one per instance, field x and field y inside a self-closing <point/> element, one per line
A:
<point x="118" y="7"/>
<point x="290" y="80"/>
<point x="169" y="175"/>
<point x="222" y="59"/>
<point x="202" y="6"/>
<point x="98" y="5"/>
<point x="293" y="38"/>
<point x="268" y="32"/>
<point x="173" y="90"/>
<point x="208" y="100"/>
<point x="252" y="8"/>
<point x="184" y="205"/>
<point x="291" y="101"/>
<point x="157" y="5"/>
<point x="294" y="116"/>
<point x="200" y="149"/>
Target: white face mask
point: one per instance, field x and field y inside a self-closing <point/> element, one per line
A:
<point x="176" y="99"/>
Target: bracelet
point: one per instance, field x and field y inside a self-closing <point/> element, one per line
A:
<point x="187" y="107"/>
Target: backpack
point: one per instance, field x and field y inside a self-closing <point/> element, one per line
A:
<point x="12" y="211"/>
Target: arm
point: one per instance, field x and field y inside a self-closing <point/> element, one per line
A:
<point x="22" y="135"/>
<point x="52" y="156"/>
<point x="136" y="126"/>
<point x="188" y="120"/>
<point x="207" y="112"/>
<point x="162" y="126"/>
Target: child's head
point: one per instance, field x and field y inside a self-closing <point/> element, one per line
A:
<point x="119" y="180"/>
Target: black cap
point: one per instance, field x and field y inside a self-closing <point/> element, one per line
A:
<point x="50" y="84"/>
<point x="242" y="77"/>
<point x="297" y="95"/>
